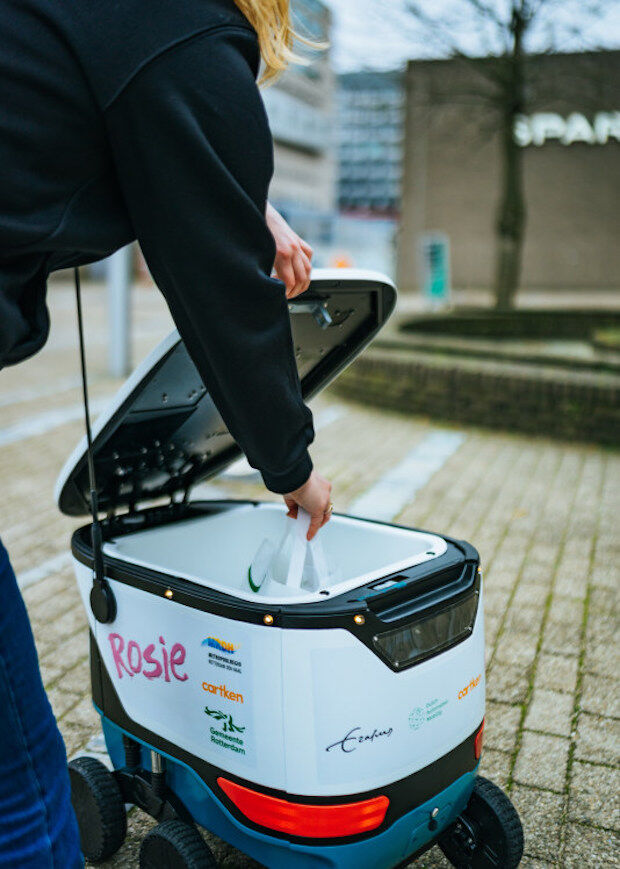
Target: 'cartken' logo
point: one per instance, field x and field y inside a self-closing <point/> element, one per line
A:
<point x="220" y="645"/>
<point x="469" y="688"/>
<point x="223" y="692"/>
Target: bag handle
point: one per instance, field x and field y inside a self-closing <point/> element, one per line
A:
<point x="300" y="546"/>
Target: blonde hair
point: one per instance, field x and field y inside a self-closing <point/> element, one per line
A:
<point x="272" y="21"/>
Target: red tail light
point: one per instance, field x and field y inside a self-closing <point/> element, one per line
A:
<point x="478" y="741"/>
<point x="304" y="819"/>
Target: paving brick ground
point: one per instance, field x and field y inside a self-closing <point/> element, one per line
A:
<point x="543" y="514"/>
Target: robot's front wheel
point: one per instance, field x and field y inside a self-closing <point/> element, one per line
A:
<point x="175" y="845"/>
<point x="99" y="808"/>
<point x="487" y="834"/>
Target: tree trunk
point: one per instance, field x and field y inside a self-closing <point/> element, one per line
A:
<point x="510" y="220"/>
<point x="511" y="213"/>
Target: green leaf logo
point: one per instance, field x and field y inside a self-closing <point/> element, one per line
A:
<point x="229" y="724"/>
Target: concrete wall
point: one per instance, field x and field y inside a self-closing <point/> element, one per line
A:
<point x="452" y="176"/>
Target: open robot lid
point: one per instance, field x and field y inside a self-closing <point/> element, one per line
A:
<point x="162" y="434"/>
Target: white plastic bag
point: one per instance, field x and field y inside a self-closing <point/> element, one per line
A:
<point x="294" y="562"/>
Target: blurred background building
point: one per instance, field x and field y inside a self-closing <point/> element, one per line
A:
<point x="571" y="142"/>
<point x="399" y="170"/>
<point x="338" y="149"/>
<point x="300" y="106"/>
<point x="370" y="127"/>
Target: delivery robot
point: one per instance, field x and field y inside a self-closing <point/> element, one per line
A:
<point x="334" y="726"/>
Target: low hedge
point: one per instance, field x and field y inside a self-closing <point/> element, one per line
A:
<point x="552" y="402"/>
<point x="484" y="323"/>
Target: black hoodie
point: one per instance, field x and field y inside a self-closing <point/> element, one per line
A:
<point x="125" y="119"/>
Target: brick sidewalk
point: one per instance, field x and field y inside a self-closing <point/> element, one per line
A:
<point x="543" y="515"/>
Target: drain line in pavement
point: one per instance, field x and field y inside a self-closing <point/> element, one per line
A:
<point x="41" y="423"/>
<point x="41" y="571"/>
<point x="19" y="396"/>
<point x="398" y="486"/>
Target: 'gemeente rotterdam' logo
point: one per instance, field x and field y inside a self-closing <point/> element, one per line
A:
<point x="228" y="725"/>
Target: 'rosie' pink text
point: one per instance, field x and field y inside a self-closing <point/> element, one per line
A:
<point x="152" y="662"/>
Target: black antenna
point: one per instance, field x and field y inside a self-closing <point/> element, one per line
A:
<point x="102" y="600"/>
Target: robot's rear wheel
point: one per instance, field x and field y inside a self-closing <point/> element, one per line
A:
<point x="99" y="808"/>
<point x="175" y="845"/>
<point x="487" y="834"/>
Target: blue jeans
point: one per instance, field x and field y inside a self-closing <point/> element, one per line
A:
<point x="38" y="829"/>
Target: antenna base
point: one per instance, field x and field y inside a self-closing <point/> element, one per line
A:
<point x="102" y="602"/>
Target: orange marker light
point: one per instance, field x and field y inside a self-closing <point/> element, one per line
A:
<point x="478" y="741"/>
<point x="303" y="819"/>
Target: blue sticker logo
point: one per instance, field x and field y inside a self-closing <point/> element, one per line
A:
<point x="220" y="645"/>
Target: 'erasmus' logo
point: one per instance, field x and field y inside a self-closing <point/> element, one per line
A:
<point x="355" y="737"/>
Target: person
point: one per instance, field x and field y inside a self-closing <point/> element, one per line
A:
<point x="125" y="121"/>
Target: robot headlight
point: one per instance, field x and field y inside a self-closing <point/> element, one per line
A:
<point x="427" y="636"/>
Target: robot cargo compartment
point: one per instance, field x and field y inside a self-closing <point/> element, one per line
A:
<point x="215" y="550"/>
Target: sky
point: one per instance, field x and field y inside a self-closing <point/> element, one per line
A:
<point x="372" y="34"/>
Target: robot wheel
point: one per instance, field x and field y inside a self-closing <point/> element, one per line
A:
<point x="99" y="808"/>
<point x="487" y="834"/>
<point x="102" y="821"/>
<point x="174" y="844"/>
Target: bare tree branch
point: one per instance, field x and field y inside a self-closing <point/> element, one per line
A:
<point x="487" y="12"/>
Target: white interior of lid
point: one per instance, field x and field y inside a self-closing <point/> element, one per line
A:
<point x="216" y="551"/>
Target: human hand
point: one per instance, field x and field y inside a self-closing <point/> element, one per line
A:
<point x="293" y="255"/>
<point x="314" y="497"/>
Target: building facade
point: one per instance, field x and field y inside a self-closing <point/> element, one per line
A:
<point x="370" y="120"/>
<point x="570" y="138"/>
<point x="300" y="110"/>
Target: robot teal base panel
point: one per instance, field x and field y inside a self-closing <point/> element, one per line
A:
<point x="388" y="848"/>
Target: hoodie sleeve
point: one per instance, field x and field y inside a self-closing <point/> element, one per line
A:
<point x="194" y="157"/>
